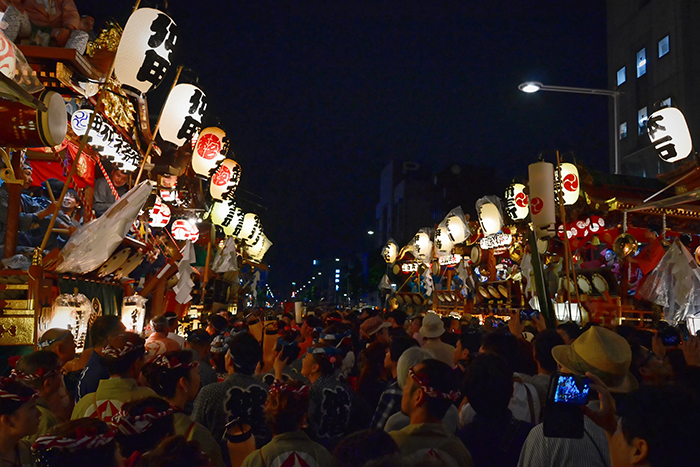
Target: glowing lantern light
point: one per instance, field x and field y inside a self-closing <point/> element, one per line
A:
<point x="210" y="150"/>
<point x="182" y="114"/>
<point x="541" y="175"/>
<point x="145" y="49"/>
<point x="225" y="180"/>
<point x="72" y="312"/>
<point x="489" y="209"/>
<point x="257" y="251"/>
<point x="443" y="243"/>
<point x="227" y="215"/>
<point x="183" y="229"/>
<point x="134" y="313"/>
<point x="517" y="204"/>
<point x="169" y="195"/>
<point x="422" y="246"/>
<point x="390" y="251"/>
<point x="159" y="214"/>
<point x="668" y="132"/>
<point x="455" y="226"/>
<point x="569" y="183"/>
<point x="250" y="227"/>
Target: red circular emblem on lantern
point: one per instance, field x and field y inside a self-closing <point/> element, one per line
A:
<point x="570" y="182"/>
<point x="536" y="204"/>
<point x="208" y="146"/>
<point x="222" y="176"/>
<point x="521" y="200"/>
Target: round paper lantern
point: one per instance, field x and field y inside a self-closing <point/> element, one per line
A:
<point x="443" y="243"/>
<point x="145" y="49"/>
<point x="7" y="57"/>
<point x="170" y="196"/>
<point x="422" y="246"/>
<point x="489" y="215"/>
<point x="211" y="148"/>
<point x="228" y="216"/>
<point x="668" y="132"/>
<point x="72" y="312"/>
<point x="159" y="214"/>
<point x="541" y="175"/>
<point x="225" y="180"/>
<point x="517" y="204"/>
<point x="569" y="182"/>
<point x="183" y="229"/>
<point x="457" y="228"/>
<point x="182" y="114"/>
<point x="390" y="251"/>
<point x="597" y="224"/>
<point x="250" y="227"/>
<point x="257" y="251"/>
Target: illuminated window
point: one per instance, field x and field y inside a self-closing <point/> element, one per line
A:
<point x="663" y="46"/>
<point x="641" y="62"/>
<point x="642" y="120"/>
<point x="623" y="130"/>
<point x="621" y="75"/>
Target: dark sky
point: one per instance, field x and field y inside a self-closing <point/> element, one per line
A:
<point x="317" y="97"/>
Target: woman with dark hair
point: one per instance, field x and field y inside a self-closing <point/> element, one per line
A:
<point x="19" y="417"/>
<point x="372" y="380"/>
<point x="142" y="424"/>
<point x="83" y="442"/>
<point x="175" y="377"/>
<point x="285" y="412"/>
<point x="175" y="452"/>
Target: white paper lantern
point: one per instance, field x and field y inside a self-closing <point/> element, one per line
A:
<point x="72" y="312"/>
<point x="422" y="246"/>
<point x="250" y="227"/>
<point x="159" y="214"/>
<point x="227" y="215"/>
<point x="457" y="229"/>
<point x="443" y="243"/>
<point x="134" y="313"/>
<point x="183" y="229"/>
<point x="145" y="49"/>
<point x="170" y="196"/>
<point x="569" y="183"/>
<point x="225" y="180"/>
<point x="210" y="150"/>
<point x="390" y="251"/>
<point x="489" y="216"/>
<point x="517" y="204"/>
<point x="669" y="133"/>
<point x="257" y="251"/>
<point x="182" y="114"/>
<point x="541" y="175"/>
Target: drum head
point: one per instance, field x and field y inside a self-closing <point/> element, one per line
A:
<point x="54" y="123"/>
<point x="503" y="290"/>
<point x="584" y="284"/>
<point x="600" y="284"/>
<point x="114" y="262"/>
<point x="494" y="293"/>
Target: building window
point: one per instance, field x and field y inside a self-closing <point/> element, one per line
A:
<point x="621" y="75"/>
<point x="666" y="102"/>
<point x="663" y="46"/>
<point x="641" y="62"/>
<point x="623" y="130"/>
<point x="642" y="120"/>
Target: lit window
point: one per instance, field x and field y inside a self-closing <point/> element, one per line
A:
<point x="621" y="75"/>
<point x="641" y="62"/>
<point x="666" y="102"/>
<point x="642" y="120"/>
<point x="663" y="47"/>
<point x="623" y="130"/>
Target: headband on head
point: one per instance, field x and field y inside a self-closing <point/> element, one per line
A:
<point x="284" y="343"/>
<point x="20" y="375"/>
<point x="424" y="384"/>
<point x="172" y="363"/>
<point x="109" y="351"/>
<point x="137" y="424"/>
<point x="7" y="395"/>
<point x="84" y="439"/>
<point x="278" y="387"/>
<point x="334" y="337"/>
<point x="42" y="345"/>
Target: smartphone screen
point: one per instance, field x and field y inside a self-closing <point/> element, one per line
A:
<point x="571" y="389"/>
<point x="685" y="334"/>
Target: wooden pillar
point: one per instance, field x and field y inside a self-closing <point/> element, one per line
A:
<point x="158" y="299"/>
<point x="13" y="209"/>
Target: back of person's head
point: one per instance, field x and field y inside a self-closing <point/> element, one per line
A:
<point x="287" y="344"/>
<point x="410" y="358"/>
<point x="327" y="358"/>
<point x="437" y="376"/>
<point x="164" y="372"/>
<point x="571" y="329"/>
<point x="175" y="451"/>
<point x="142" y="424"/>
<point x="488" y="384"/>
<point x="122" y="352"/>
<point x="217" y="322"/>
<point x="313" y="321"/>
<point x="363" y="446"/>
<point x="198" y="338"/>
<point x="666" y="418"/>
<point x="399" y="317"/>
<point x="543" y="343"/>
<point x="160" y="324"/>
<point x="53" y="338"/>
<point x="399" y="345"/>
<point x="37" y="367"/>
<point x="470" y="339"/>
<point x="245" y="352"/>
<point x="14" y="394"/>
<point x="103" y="328"/>
<point x="286" y="407"/>
<point x="82" y="442"/>
<point x="504" y="344"/>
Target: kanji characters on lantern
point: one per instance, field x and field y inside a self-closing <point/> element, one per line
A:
<point x="210" y="150"/>
<point x="182" y="113"/>
<point x="225" y="180"/>
<point x="390" y="251"/>
<point x="228" y="216"/>
<point x="669" y="133"/>
<point x="517" y="203"/>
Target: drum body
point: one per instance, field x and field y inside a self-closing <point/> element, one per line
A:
<point x="25" y="127"/>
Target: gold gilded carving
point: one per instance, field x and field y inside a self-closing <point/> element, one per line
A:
<point x="117" y="106"/>
<point x="107" y="40"/>
<point x="17" y="330"/>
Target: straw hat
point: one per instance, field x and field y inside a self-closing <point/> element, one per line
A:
<point x="373" y="325"/>
<point x="602" y="352"/>
<point x="432" y="326"/>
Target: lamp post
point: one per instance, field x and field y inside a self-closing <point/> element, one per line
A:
<point x="534" y="86"/>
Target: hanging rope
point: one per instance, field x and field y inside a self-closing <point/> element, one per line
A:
<point x="109" y="180"/>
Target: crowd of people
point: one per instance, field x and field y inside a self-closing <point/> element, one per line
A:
<point x="349" y="388"/>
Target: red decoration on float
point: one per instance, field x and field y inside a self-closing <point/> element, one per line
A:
<point x="570" y="182"/>
<point x="209" y="146"/>
<point x="536" y="204"/>
<point x="521" y="200"/>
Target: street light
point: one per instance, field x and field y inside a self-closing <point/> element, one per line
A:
<point x="534" y="86"/>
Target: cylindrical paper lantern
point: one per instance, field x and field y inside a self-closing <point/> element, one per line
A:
<point x="669" y="133"/>
<point x="182" y="114"/>
<point x="489" y="215"/>
<point x="227" y="215"/>
<point x="225" y="180"/>
<point x="570" y="186"/>
<point x="159" y="214"/>
<point x="390" y="251"/>
<point x="258" y="250"/>
<point x="72" y="312"/>
<point x="210" y="149"/>
<point x="183" y="229"/>
<point x="134" y="313"/>
<point x="145" y="49"/>
<point x="422" y="246"/>
<point x="457" y="228"/>
<point x="298" y="310"/>
<point x="517" y="204"/>
<point x="541" y="184"/>
<point x="251" y="224"/>
<point x="443" y="243"/>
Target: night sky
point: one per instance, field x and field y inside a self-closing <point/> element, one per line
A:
<point x="317" y="97"/>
